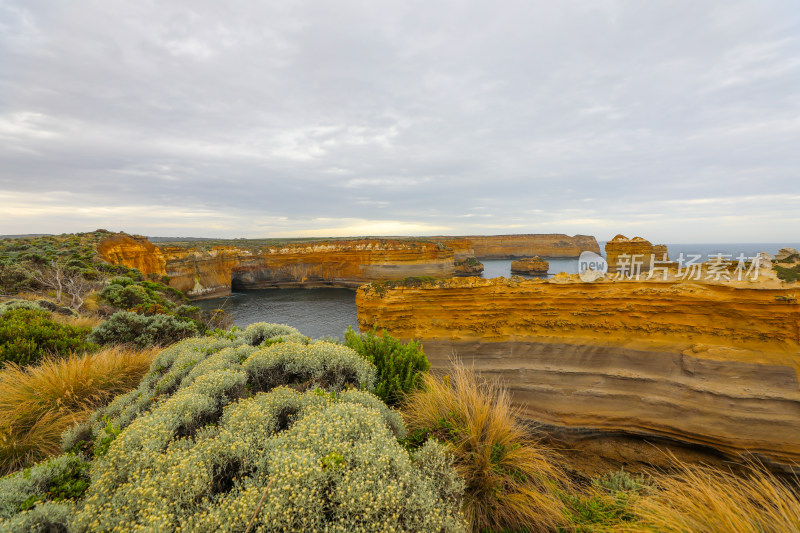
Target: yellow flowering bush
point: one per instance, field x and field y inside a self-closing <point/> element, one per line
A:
<point x="283" y="434"/>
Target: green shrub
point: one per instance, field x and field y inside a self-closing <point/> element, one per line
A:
<point x="205" y="438"/>
<point x="400" y="366"/>
<point x="15" y="278"/>
<point x="597" y="510"/>
<point x="126" y="327"/>
<point x="48" y="517"/>
<point x="27" y="335"/>
<point x="175" y="368"/>
<point x="127" y="296"/>
<point x="207" y="435"/>
<point x="622" y="481"/>
<point x="256" y="334"/>
<point x="127" y="293"/>
<point x="65" y="477"/>
<point x="20" y="304"/>
<point x="320" y="464"/>
<point x="788" y="273"/>
<point x="608" y="503"/>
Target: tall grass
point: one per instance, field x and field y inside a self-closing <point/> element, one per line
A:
<point x="82" y="321"/>
<point x="511" y="480"/>
<point x="705" y="499"/>
<point x="38" y="403"/>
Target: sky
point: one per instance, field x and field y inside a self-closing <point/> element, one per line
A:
<point x="675" y="120"/>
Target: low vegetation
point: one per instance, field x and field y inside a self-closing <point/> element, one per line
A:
<point x="135" y="329"/>
<point x="400" y="366"/>
<point x="790" y="273"/>
<point x="512" y="481"/>
<point x="265" y="428"/>
<point x="28" y="334"/>
<point x="702" y="498"/>
<point x="38" y="403"/>
<point x="380" y="287"/>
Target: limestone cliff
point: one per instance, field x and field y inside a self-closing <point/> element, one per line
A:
<point x="206" y="270"/>
<point x="553" y="245"/>
<point x="469" y="267"/>
<point x="347" y="263"/>
<point x="532" y="266"/>
<point x="637" y="246"/>
<point x="133" y="252"/>
<point x="708" y="364"/>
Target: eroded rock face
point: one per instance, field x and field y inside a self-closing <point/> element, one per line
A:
<point x="643" y="249"/>
<point x="531" y="266"/>
<point x="469" y="267"/>
<point x="133" y="252"/>
<point x="202" y="273"/>
<point x="207" y="272"/>
<point x="518" y="246"/>
<point x="708" y="364"/>
<point x="786" y="253"/>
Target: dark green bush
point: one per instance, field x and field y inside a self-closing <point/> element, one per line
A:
<point x="61" y="479"/>
<point x="399" y="365"/>
<point x="27" y="335"/>
<point x="126" y="293"/>
<point x="125" y="327"/>
<point x="788" y="273"/>
<point x="15" y="278"/>
<point x="608" y="504"/>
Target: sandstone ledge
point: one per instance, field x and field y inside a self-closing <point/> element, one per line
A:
<point x="531" y="266"/>
<point x="712" y="365"/>
<point x="208" y="269"/>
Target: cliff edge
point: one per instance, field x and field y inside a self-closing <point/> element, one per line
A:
<point x="711" y="364"/>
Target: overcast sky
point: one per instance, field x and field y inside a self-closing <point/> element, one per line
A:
<point x="675" y="120"/>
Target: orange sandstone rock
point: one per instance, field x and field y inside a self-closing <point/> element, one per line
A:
<point x="212" y="272"/>
<point x="637" y="247"/>
<point x="516" y="246"/>
<point x="709" y="364"/>
<point x="346" y="263"/>
<point x="469" y="267"/>
<point x="133" y="252"/>
<point x="533" y="265"/>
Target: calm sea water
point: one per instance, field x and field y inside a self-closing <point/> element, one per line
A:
<point x="328" y="312"/>
<point x="317" y="313"/>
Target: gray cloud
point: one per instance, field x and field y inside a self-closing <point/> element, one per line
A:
<point x="676" y="120"/>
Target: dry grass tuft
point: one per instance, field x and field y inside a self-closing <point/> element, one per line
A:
<point x="706" y="499"/>
<point x="38" y="403"/>
<point x="30" y="296"/>
<point x="82" y="321"/>
<point x="511" y="480"/>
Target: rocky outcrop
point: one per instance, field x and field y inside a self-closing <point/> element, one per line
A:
<point x="787" y="255"/>
<point x="637" y="253"/>
<point x="203" y="273"/>
<point x="205" y="270"/>
<point x="707" y="364"/>
<point x="555" y="245"/>
<point x="532" y="266"/>
<point x="469" y="267"/>
<point x="133" y="251"/>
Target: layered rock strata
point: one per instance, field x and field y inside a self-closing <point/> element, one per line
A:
<point x="215" y="271"/>
<point x="554" y="245"/>
<point x="531" y="266"/>
<point x="636" y="253"/>
<point x="714" y="365"/>
<point x="206" y="271"/>
<point x="133" y="251"/>
<point x="469" y="267"/>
